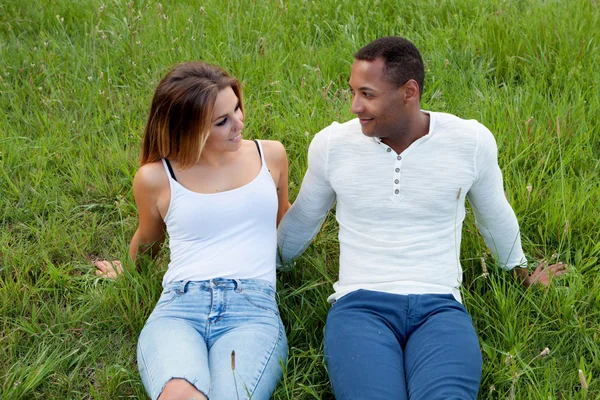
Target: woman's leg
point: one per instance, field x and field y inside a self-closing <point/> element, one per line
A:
<point x="249" y="347"/>
<point x="180" y="389"/>
<point x="172" y="354"/>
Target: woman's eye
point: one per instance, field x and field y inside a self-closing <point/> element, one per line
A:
<point x="222" y="122"/>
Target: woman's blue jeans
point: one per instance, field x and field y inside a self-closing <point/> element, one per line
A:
<point x="387" y="346"/>
<point x="196" y="326"/>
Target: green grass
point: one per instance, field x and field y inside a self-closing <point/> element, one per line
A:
<point x="76" y="79"/>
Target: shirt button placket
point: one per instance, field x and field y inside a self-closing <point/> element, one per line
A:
<point x="397" y="175"/>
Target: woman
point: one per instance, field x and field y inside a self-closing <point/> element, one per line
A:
<point x="216" y="331"/>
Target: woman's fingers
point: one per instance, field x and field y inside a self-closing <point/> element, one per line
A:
<point x="108" y="269"/>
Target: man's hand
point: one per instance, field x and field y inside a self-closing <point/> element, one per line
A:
<point x="542" y="273"/>
<point x="109" y="269"/>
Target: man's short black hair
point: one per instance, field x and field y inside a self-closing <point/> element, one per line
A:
<point x="402" y="59"/>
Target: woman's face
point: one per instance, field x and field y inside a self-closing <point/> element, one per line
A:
<point x="227" y="123"/>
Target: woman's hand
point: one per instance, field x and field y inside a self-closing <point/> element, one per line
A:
<point x="109" y="269"/>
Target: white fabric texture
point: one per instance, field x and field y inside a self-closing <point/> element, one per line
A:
<point x="228" y="234"/>
<point x="400" y="216"/>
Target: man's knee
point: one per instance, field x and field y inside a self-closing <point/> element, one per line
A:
<point x="180" y="389"/>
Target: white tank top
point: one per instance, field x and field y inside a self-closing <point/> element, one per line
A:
<point x="230" y="234"/>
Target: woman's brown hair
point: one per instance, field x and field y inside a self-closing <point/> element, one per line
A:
<point x="181" y="113"/>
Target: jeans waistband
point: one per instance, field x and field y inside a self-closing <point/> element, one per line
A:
<point x="238" y="285"/>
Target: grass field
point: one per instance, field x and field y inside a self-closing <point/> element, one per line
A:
<point x="76" y="79"/>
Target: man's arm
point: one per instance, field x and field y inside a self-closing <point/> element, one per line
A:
<point x="316" y="197"/>
<point x="494" y="216"/>
<point x="496" y="219"/>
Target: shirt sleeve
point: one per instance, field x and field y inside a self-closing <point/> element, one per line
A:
<point x="494" y="217"/>
<point x="303" y="220"/>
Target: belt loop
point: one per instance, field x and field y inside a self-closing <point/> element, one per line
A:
<point x="238" y="286"/>
<point x="184" y="286"/>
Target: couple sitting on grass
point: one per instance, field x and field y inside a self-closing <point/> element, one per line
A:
<point x="400" y="176"/>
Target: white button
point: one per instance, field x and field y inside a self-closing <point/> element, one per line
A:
<point x="399" y="157"/>
<point x="397" y="170"/>
<point x="396" y="181"/>
<point x="388" y="149"/>
<point x="396" y="191"/>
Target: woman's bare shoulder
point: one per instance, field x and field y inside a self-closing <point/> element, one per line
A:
<point x="274" y="150"/>
<point x="151" y="176"/>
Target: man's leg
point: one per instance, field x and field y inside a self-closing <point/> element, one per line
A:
<point x="442" y="355"/>
<point x="362" y="352"/>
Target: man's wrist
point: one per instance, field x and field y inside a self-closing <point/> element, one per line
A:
<point x="522" y="274"/>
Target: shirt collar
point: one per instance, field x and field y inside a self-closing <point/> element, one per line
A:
<point x="378" y="140"/>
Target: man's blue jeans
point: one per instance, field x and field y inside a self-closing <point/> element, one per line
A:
<point x="387" y="346"/>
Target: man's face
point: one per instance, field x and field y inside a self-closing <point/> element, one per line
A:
<point x="377" y="103"/>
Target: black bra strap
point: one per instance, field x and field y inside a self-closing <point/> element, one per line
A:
<point x="171" y="170"/>
<point x="258" y="147"/>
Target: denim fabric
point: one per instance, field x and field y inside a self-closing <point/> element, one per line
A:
<point x="387" y="346"/>
<point x="196" y="325"/>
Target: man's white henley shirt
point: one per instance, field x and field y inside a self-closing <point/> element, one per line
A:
<point x="400" y="215"/>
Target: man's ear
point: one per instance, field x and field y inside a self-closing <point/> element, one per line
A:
<point x="411" y="90"/>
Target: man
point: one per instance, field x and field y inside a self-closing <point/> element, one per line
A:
<point x="400" y="177"/>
